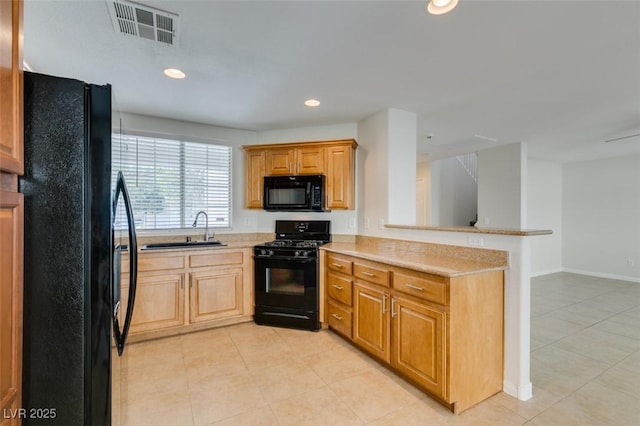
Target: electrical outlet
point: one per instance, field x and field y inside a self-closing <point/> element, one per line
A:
<point x="486" y="221"/>
<point x="366" y="223"/>
<point x="631" y="263"/>
<point x="247" y="221"/>
<point x="476" y="241"/>
<point x="381" y="224"/>
<point x="352" y="223"/>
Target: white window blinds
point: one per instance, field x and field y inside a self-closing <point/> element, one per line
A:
<point x="169" y="181"/>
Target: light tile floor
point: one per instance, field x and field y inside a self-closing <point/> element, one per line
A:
<point x="585" y="368"/>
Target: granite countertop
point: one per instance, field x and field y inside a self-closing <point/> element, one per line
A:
<point x="446" y="266"/>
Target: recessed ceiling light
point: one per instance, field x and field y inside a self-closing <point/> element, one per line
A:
<point x="312" y="102"/>
<point x="174" y="73"/>
<point x="438" y="7"/>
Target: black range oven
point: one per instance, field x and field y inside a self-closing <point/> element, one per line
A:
<point x="286" y="275"/>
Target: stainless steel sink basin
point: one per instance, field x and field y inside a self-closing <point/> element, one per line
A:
<point x="182" y="244"/>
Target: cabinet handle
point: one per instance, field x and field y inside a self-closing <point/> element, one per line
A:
<point x="337" y="265"/>
<point x="369" y="274"/>
<point x="336" y="316"/>
<point x="337" y="287"/>
<point x="393" y="306"/>
<point x="384" y="303"/>
<point x="415" y="287"/>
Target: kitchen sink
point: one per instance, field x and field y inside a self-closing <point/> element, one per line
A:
<point x="182" y="244"/>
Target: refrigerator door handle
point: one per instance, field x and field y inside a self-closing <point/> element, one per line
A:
<point x="121" y="336"/>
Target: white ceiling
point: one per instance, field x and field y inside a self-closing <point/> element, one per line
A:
<point x="562" y="76"/>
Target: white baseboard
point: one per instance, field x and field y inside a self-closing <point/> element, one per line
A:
<point x="551" y="271"/>
<point x="601" y="275"/>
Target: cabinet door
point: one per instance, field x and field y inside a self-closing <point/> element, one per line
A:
<point x="215" y="294"/>
<point x="419" y="348"/>
<point x="11" y="264"/>
<point x="340" y="177"/>
<point x="310" y="161"/>
<point x="256" y="167"/>
<point x="280" y="161"/>
<point x="11" y="133"/>
<point x="159" y="302"/>
<point x="371" y="323"/>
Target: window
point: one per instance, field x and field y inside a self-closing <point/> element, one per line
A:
<point x="169" y="181"/>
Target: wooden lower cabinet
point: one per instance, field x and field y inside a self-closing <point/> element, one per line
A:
<point x="182" y="291"/>
<point x="371" y="321"/>
<point x="339" y="318"/>
<point x="445" y="334"/>
<point x="215" y="294"/>
<point x="419" y="347"/>
<point x="159" y="302"/>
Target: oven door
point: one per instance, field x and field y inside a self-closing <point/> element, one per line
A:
<point x="286" y="291"/>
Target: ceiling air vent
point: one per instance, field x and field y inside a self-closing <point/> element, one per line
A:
<point x="143" y="21"/>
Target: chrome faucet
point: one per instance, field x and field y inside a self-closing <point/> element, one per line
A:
<point x="206" y="224"/>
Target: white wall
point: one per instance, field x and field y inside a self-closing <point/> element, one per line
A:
<point x="502" y="196"/>
<point x="544" y="182"/>
<point x="601" y="217"/>
<point x="371" y="170"/>
<point x="423" y="197"/>
<point x="304" y="134"/>
<point x="402" y="131"/>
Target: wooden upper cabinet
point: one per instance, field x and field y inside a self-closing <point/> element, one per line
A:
<point x="334" y="159"/>
<point x="296" y="161"/>
<point x="11" y="130"/>
<point x="256" y="168"/>
<point x="281" y="161"/>
<point x="310" y="161"/>
<point x="340" y="177"/>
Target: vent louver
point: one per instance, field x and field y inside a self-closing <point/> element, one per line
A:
<point x="138" y="20"/>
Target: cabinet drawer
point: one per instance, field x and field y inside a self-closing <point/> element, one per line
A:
<point x="371" y="273"/>
<point x="424" y="286"/>
<point x="339" y="318"/>
<point x="215" y="259"/>
<point x="339" y="288"/>
<point x="157" y="263"/>
<point x="340" y="264"/>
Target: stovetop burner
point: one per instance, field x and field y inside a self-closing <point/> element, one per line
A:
<point x="294" y="243"/>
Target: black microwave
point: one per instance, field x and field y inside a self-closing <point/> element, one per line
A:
<point x="304" y="193"/>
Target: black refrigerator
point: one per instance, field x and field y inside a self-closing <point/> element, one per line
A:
<point x="74" y="333"/>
